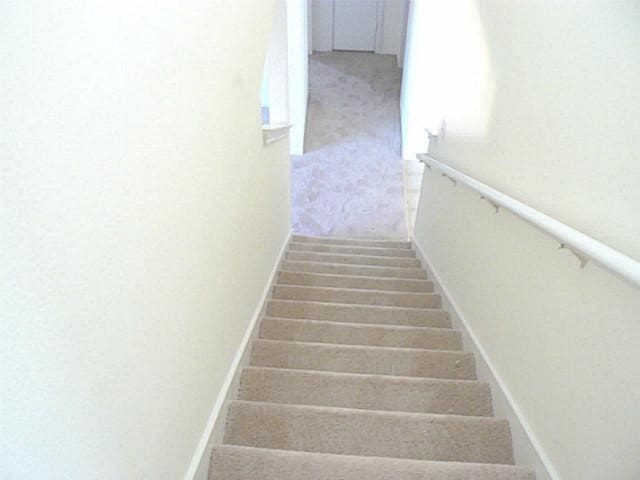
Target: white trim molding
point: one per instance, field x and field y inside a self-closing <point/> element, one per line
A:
<point x="527" y="449"/>
<point x="214" y="430"/>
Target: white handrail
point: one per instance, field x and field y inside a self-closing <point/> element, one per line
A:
<point x="583" y="246"/>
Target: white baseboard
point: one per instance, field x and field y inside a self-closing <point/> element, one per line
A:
<point x="526" y="448"/>
<point x="214" y="430"/>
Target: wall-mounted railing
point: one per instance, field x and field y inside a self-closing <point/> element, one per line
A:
<point x="584" y="247"/>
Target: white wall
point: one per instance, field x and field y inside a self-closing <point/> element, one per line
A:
<point x="278" y="66"/>
<point x="310" y="26"/>
<point x="447" y="68"/>
<point x="549" y="117"/>
<point x="265" y="86"/>
<point x="141" y="216"/>
<point x="298" y="48"/>
<point x="403" y="34"/>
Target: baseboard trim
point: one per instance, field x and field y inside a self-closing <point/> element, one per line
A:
<point x="214" y="430"/>
<point x="527" y="448"/>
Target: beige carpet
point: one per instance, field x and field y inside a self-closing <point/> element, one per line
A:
<point x="357" y="374"/>
<point x="349" y="181"/>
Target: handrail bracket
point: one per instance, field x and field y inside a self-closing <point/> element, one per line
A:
<point x="423" y="159"/>
<point x="453" y="180"/>
<point x="491" y="202"/>
<point x="581" y="257"/>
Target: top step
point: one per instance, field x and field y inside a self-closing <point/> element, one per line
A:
<point x="351" y="250"/>
<point x="356" y="242"/>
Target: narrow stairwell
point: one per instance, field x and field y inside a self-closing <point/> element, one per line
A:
<point x="357" y="374"/>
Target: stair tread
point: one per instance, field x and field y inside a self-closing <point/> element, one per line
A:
<point x="357" y="290"/>
<point x="322" y="331"/>
<point x="354" y="269"/>
<point x="352" y="241"/>
<point x="358" y="313"/>
<point x="290" y="277"/>
<point x="377" y="376"/>
<point x="390" y="327"/>
<point x="354" y="259"/>
<point x="394" y="434"/>
<point x="357" y="305"/>
<point x="436" y="417"/>
<point x="352" y="249"/>
<point x="231" y="462"/>
<point x="357" y="277"/>
<point x="363" y="359"/>
<point x="297" y="236"/>
<point x="367" y="347"/>
<point x="354" y="296"/>
<point x="365" y="391"/>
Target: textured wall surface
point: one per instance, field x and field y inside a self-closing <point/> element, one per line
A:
<point x="141" y="217"/>
<point x="556" y="128"/>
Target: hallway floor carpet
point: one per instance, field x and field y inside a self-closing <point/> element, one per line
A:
<point x="349" y="181"/>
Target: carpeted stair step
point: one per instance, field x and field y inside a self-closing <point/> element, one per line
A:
<point x="336" y="312"/>
<point x="343" y="281"/>
<point x="371" y="260"/>
<point x="369" y="432"/>
<point x="411" y="362"/>
<point x="230" y="462"/>
<point x="356" y="373"/>
<point x="362" y="242"/>
<point x="373" y="392"/>
<point x="354" y="270"/>
<point x="357" y="296"/>
<point x="351" y="250"/>
<point x="322" y="331"/>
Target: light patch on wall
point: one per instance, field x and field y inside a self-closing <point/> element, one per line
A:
<point x="449" y="76"/>
<point x="462" y="77"/>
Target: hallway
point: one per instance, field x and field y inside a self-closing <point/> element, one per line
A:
<point x="349" y="181"/>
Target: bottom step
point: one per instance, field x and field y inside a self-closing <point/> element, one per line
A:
<point x="248" y="463"/>
<point x="372" y="433"/>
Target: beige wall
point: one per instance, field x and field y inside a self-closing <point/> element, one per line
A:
<point x="550" y="117"/>
<point x="141" y="217"/>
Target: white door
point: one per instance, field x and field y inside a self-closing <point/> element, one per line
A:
<point x="354" y="24"/>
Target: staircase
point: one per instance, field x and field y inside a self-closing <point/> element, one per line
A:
<point x="357" y="374"/>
